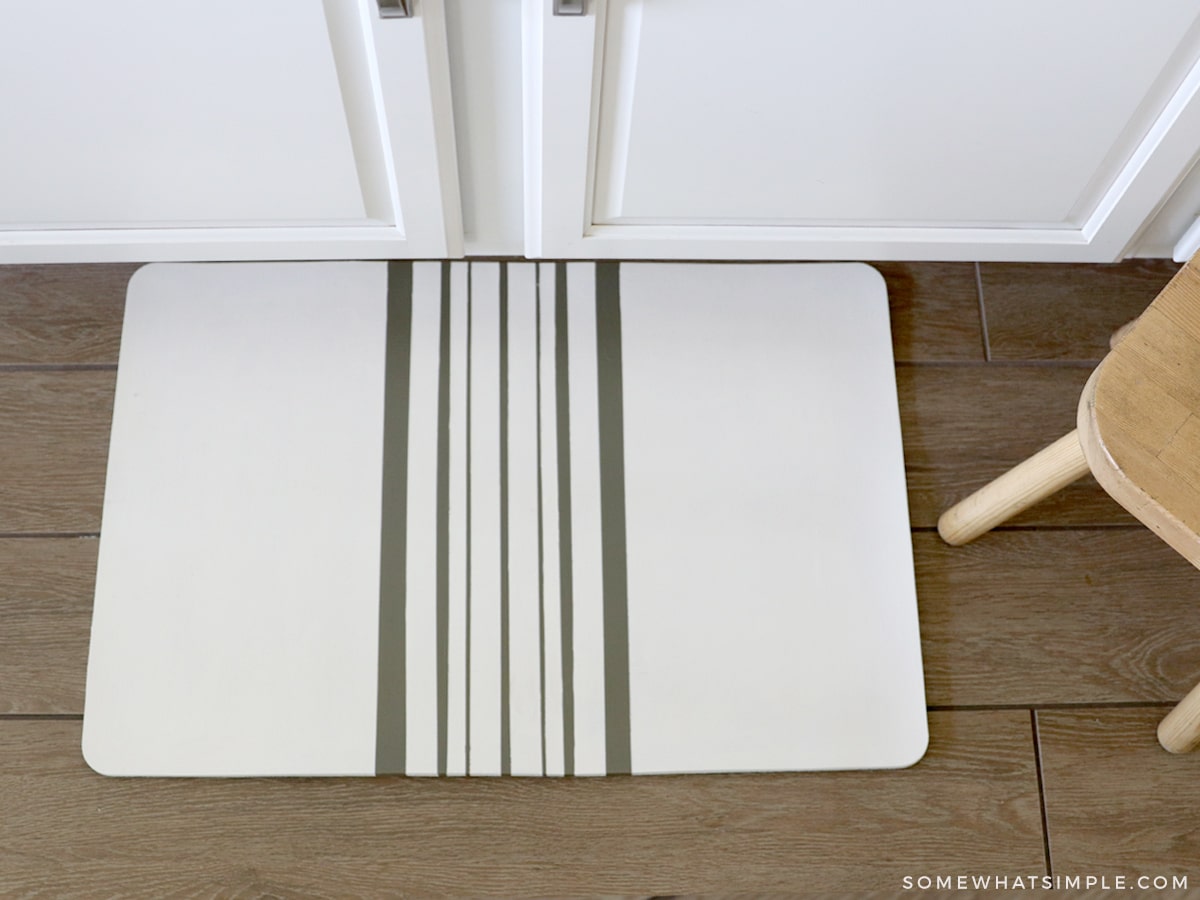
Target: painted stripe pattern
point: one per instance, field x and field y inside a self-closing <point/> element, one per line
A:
<point x="390" y="737"/>
<point x="504" y="636"/>
<point x="612" y="518"/>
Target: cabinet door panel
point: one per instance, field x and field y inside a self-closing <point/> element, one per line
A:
<point x="140" y="130"/>
<point x="774" y="128"/>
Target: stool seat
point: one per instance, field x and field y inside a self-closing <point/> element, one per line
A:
<point x="1138" y="433"/>
<point x="1138" y="422"/>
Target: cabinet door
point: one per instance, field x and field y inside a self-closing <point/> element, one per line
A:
<point x="135" y="129"/>
<point x="871" y="129"/>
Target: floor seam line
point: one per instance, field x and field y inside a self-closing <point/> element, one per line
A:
<point x="1041" y="782"/>
<point x="983" y="323"/>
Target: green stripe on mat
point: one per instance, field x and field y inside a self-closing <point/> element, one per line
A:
<point x="443" y="525"/>
<point x="612" y="519"/>
<point x="563" y="408"/>
<point x="390" y="716"/>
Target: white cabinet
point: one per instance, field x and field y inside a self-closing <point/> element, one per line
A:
<point x="931" y="129"/>
<point x="135" y="129"/>
<point x="768" y="129"/>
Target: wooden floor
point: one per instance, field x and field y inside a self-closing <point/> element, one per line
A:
<point x="1052" y="648"/>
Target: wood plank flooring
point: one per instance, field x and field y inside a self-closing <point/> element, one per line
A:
<point x="1052" y="647"/>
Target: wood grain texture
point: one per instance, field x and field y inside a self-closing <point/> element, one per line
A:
<point x="1012" y="893"/>
<point x="46" y="588"/>
<point x="1047" y="617"/>
<point x="935" y="311"/>
<point x="971" y="804"/>
<point x="1139" y="416"/>
<point x="56" y="315"/>
<point x="1019" y="617"/>
<point x="1038" y="311"/>
<point x="53" y="449"/>
<point x="1115" y="801"/>
<point x="965" y="425"/>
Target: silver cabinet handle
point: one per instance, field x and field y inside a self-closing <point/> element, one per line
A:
<point x="395" y="9"/>
<point x="570" y="7"/>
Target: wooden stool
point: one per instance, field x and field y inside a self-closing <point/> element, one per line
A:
<point x="1138" y="432"/>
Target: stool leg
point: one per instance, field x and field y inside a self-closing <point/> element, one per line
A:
<point x="1119" y="335"/>
<point x="1047" y="471"/>
<point x="1179" y="731"/>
